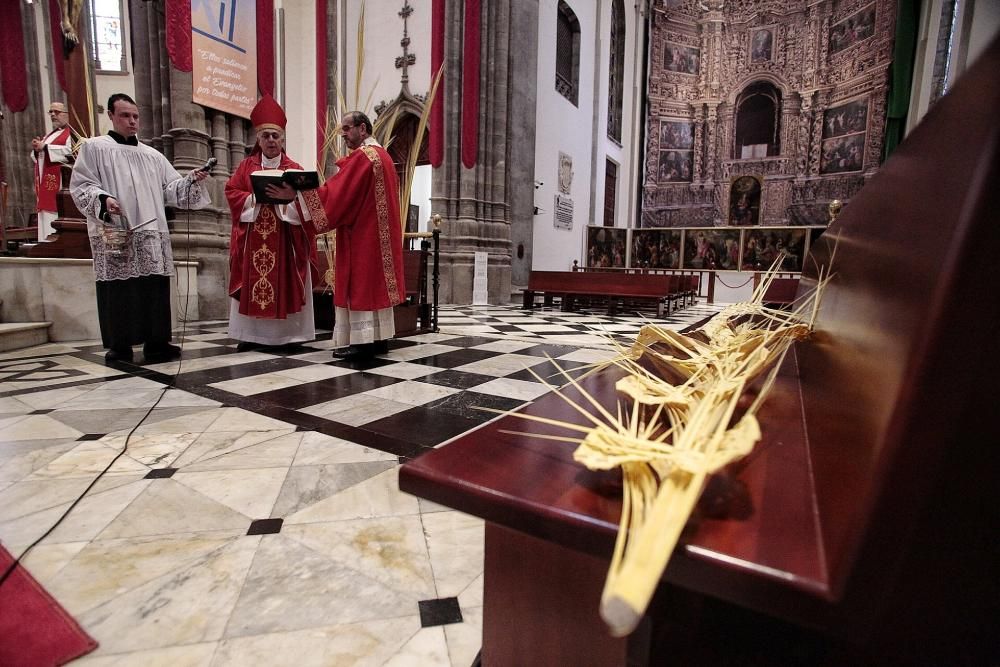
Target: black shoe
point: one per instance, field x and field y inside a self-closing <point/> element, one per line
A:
<point x="359" y="353"/>
<point x="161" y="352"/>
<point x="119" y="354"/>
<point x="245" y="346"/>
<point x="344" y="352"/>
<point x="380" y="346"/>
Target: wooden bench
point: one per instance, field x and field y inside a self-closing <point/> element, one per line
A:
<point x="685" y="289"/>
<point x="782" y="291"/>
<point x="611" y="288"/>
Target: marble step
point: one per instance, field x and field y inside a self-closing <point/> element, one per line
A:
<point x="15" y="335"/>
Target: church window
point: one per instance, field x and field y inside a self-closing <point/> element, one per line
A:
<point x="617" y="72"/>
<point x="567" y="53"/>
<point x="107" y="35"/>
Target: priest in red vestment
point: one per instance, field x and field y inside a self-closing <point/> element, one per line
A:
<point x="272" y="256"/>
<point x="49" y="153"/>
<point x="361" y="201"/>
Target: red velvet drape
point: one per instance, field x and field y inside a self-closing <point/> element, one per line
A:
<point x="13" y="70"/>
<point x="265" y="47"/>
<point x="177" y="16"/>
<point x="470" y="85"/>
<point x="436" y="146"/>
<point x="57" y="44"/>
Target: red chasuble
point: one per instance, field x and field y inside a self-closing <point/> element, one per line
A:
<point x="47" y="184"/>
<point x="362" y="203"/>
<point x="268" y="258"/>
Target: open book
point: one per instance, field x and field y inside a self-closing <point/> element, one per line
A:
<point x="297" y="178"/>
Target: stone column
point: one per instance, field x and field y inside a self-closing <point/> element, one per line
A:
<point x="521" y="137"/>
<point x="804" y="130"/>
<point x="699" y="142"/>
<point x="475" y="203"/>
<point x="711" y="142"/>
<point x="789" y="125"/>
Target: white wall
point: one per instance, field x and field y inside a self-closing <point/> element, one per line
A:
<point x="380" y="80"/>
<point x="563" y="127"/>
<point x="606" y="148"/>
<point x="299" y="69"/>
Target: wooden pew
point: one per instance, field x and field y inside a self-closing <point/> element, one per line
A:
<point x="869" y="528"/>
<point x="612" y="288"/>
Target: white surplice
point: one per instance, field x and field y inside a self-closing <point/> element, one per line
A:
<point x="143" y="181"/>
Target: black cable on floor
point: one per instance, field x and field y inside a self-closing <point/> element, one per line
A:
<point x="172" y="383"/>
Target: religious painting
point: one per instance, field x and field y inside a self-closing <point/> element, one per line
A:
<point x="842" y="154"/>
<point x="762" y="45"/>
<point x="674" y="166"/>
<point x="680" y="58"/>
<point x="712" y="248"/>
<point x="744" y="201"/>
<point x="849" y="118"/>
<point x="676" y="135"/>
<point x="762" y="246"/>
<point x="656" y="248"/>
<point x="857" y="27"/>
<point x="606" y="247"/>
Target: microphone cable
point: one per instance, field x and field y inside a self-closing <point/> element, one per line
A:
<point x="170" y="384"/>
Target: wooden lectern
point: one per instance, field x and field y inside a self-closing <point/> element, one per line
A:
<point x="871" y="530"/>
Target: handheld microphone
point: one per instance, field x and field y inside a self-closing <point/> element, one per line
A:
<point x="208" y="165"/>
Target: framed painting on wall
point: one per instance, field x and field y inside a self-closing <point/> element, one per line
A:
<point x="761" y="45"/>
<point x="842" y="154"/>
<point x="712" y="248"/>
<point x="675" y="161"/>
<point x="656" y="249"/>
<point x="762" y="245"/>
<point x="744" y="201"/>
<point x="849" y="118"/>
<point x="606" y="247"/>
<point x="857" y="27"/>
<point x="680" y="58"/>
<point x="676" y="135"/>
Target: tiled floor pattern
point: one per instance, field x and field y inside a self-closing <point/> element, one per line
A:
<point x="255" y="518"/>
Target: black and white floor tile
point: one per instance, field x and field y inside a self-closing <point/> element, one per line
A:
<point x="255" y="517"/>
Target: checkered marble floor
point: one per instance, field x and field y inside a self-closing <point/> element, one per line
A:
<point x="255" y="517"/>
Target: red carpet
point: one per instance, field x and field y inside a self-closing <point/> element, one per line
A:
<point x="34" y="630"/>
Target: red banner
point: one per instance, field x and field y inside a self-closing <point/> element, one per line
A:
<point x="177" y="16"/>
<point x="13" y="72"/>
<point x="436" y="141"/>
<point x="470" y="85"/>
<point x="265" y="47"/>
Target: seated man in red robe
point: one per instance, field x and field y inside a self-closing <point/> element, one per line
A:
<point x="272" y="257"/>
<point x="361" y="201"/>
